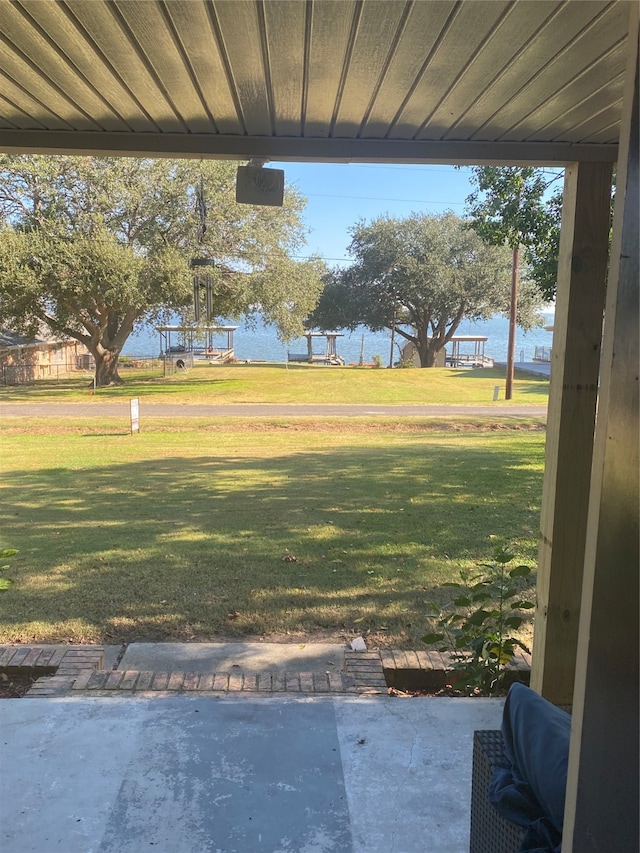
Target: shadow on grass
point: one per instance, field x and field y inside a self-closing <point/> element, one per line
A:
<point x="525" y="384"/>
<point x="194" y="548"/>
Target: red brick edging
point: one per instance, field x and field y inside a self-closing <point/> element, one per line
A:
<point x="77" y="670"/>
<point x="58" y="667"/>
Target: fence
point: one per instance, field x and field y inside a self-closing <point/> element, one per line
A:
<point x="24" y="372"/>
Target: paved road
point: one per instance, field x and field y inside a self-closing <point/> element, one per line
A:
<point x="97" y="409"/>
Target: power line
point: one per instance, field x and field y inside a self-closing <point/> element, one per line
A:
<point x="382" y="198"/>
<point x="321" y="257"/>
<point x="403" y="168"/>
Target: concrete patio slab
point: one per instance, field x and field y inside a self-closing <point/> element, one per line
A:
<point x="339" y="774"/>
<point x="224" y="657"/>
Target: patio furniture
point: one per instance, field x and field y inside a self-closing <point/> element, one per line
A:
<point x="490" y="833"/>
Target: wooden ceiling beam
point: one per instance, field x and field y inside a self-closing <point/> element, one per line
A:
<point x="222" y="147"/>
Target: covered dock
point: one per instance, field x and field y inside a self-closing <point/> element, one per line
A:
<point x="209" y="343"/>
<point x="327" y="355"/>
<point x="468" y="351"/>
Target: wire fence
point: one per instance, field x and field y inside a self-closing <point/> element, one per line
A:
<point x="25" y="372"/>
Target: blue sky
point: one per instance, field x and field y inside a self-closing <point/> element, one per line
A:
<point x="338" y="195"/>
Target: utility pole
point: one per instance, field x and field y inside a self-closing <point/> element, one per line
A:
<point x="393" y="333"/>
<point x="513" y="314"/>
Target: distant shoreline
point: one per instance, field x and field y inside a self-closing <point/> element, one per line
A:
<point x="262" y="344"/>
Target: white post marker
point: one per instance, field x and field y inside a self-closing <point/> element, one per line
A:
<point x="496" y="393"/>
<point x="135" y="415"/>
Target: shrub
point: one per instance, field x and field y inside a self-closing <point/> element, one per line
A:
<point x="477" y="626"/>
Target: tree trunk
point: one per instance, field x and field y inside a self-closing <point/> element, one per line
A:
<point x="107" y="368"/>
<point x="428" y="350"/>
<point x="428" y="359"/>
<point x="424" y="347"/>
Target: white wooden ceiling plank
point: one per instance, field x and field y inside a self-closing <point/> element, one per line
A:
<point x="32" y="73"/>
<point x="22" y="38"/>
<point x="424" y="25"/>
<point x="370" y="57"/>
<point x="163" y="51"/>
<point x="558" y="87"/>
<point x="598" y="128"/>
<point x="197" y="33"/>
<point x="87" y="66"/>
<point x="240" y="30"/>
<point x="285" y="35"/>
<point x="516" y="29"/>
<point x="608" y="135"/>
<point x="331" y="28"/>
<point x="572" y="18"/>
<point x="583" y="111"/>
<point x="24" y="111"/>
<point x="45" y="97"/>
<point x="14" y="117"/>
<point x="469" y="29"/>
<point x="101" y="20"/>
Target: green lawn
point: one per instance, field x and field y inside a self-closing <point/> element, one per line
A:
<point x="182" y="533"/>
<point x="279" y="383"/>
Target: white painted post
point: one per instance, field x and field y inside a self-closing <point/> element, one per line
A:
<point x="135" y="415"/>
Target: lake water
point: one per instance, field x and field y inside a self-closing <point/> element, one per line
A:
<point x="262" y="344"/>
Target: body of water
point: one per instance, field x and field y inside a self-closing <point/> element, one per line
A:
<point x="262" y="344"/>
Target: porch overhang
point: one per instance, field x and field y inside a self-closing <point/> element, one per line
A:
<point x="305" y="149"/>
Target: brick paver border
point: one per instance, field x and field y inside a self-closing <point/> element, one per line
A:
<point x="78" y="670"/>
<point x="56" y="667"/>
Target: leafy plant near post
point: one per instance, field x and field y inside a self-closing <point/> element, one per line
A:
<point x="5" y="583"/>
<point x="477" y="627"/>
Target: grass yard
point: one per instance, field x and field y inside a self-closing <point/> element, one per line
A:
<point x="279" y="383"/>
<point x="236" y="528"/>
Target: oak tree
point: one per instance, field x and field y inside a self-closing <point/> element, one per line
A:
<point x="419" y="276"/>
<point x="92" y="247"/>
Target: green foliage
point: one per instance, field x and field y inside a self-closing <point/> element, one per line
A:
<point x="477" y="626"/>
<point x="92" y="247"/>
<point x="420" y="275"/>
<point x="510" y="207"/>
<point x="542" y="255"/>
<point x="5" y="583"/>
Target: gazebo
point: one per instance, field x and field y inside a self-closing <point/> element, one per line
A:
<point x="534" y="82"/>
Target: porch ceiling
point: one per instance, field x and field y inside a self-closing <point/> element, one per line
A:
<point x="437" y="80"/>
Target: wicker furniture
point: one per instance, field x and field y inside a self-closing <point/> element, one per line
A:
<point x="490" y="833"/>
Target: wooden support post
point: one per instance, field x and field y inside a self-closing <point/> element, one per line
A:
<point x="601" y="811"/>
<point x="577" y="335"/>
